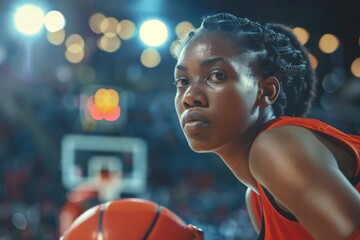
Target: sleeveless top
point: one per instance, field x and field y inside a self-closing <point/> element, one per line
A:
<point x="277" y="223"/>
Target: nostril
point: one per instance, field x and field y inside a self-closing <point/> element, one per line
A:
<point x="197" y="103"/>
<point x="186" y="105"/>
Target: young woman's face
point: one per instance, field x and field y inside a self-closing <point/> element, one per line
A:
<point x="216" y="92"/>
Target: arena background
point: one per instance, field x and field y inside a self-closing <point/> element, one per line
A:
<point x="41" y="102"/>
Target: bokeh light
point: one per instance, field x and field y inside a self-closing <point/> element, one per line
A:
<point x="54" y="21"/>
<point x="74" y="57"/>
<point x="56" y="38"/>
<point x="19" y="221"/>
<point x="75" y="48"/>
<point x="95" y="22"/>
<point x="174" y="47"/>
<point x="109" y="44"/>
<point x="126" y="29"/>
<point x="75" y="43"/>
<point x="106" y="100"/>
<point x="104" y="105"/>
<point x="108" y="26"/>
<point x="150" y="58"/>
<point x="355" y="67"/>
<point x="313" y="61"/>
<point x="301" y="34"/>
<point x="183" y="28"/>
<point x="328" y="43"/>
<point x="29" y="19"/>
<point x="334" y="80"/>
<point x="64" y="73"/>
<point x="98" y="115"/>
<point x="153" y="33"/>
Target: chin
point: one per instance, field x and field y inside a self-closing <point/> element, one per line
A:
<point x="202" y="147"/>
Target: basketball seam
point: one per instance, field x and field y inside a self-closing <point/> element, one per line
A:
<point x="101" y="214"/>
<point x="153" y="222"/>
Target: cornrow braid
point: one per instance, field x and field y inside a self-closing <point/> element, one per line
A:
<point x="284" y="58"/>
<point x="299" y="72"/>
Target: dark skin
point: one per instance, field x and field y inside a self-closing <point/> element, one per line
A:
<point x="222" y="104"/>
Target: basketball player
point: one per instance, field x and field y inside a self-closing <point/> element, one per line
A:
<point x="243" y="90"/>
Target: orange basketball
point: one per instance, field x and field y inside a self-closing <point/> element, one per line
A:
<point x="130" y="219"/>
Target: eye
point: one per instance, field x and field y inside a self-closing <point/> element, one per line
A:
<point x="181" y="82"/>
<point x="217" y="76"/>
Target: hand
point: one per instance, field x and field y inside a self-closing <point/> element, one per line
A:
<point x="197" y="232"/>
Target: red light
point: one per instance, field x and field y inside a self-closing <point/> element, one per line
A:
<point x="98" y="115"/>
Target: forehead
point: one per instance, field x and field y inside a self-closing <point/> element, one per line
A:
<point x="206" y="45"/>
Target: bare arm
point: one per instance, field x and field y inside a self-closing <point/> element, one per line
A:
<point x="303" y="176"/>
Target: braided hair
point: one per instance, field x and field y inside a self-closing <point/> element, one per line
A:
<point x="279" y="54"/>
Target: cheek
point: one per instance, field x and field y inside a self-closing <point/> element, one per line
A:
<point x="235" y="102"/>
<point x="236" y="110"/>
<point x="177" y="104"/>
<point x="247" y="95"/>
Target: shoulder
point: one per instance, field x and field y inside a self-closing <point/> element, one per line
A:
<point x="302" y="175"/>
<point x="286" y="153"/>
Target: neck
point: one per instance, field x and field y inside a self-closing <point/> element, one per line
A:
<point x="235" y="154"/>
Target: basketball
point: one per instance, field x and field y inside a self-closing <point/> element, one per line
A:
<point x="130" y="219"/>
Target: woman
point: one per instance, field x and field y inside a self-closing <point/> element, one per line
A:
<point x="242" y="92"/>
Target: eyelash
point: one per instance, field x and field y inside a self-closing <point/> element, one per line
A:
<point x="218" y="73"/>
<point x="176" y="82"/>
<point x="223" y="77"/>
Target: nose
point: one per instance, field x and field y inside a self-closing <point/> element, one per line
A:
<point x="194" y="96"/>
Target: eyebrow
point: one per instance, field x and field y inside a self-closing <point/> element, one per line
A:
<point x="204" y="63"/>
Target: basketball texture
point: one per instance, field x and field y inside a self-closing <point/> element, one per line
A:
<point x="129" y="219"/>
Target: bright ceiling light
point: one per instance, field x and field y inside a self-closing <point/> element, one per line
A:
<point x="153" y="33"/>
<point x="54" y="21"/>
<point x="29" y="19"/>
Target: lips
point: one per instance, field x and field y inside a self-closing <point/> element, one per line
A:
<point x="194" y="120"/>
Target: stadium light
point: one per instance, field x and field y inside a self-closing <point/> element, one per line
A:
<point x="153" y="33"/>
<point x="29" y="19"/>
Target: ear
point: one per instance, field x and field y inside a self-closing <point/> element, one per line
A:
<point x="269" y="89"/>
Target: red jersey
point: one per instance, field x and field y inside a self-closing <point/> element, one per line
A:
<point x="279" y="224"/>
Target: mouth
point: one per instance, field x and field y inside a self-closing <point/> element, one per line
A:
<point x="194" y="121"/>
<point x="194" y="126"/>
